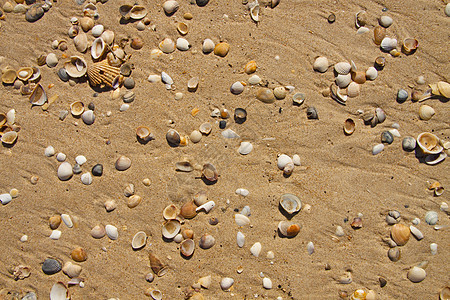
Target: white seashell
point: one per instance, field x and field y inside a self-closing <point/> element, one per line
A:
<point x="353" y="89"/>
<point x="444" y="205"/>
<point x="55" y="235"/>
<point x="59" y="292"/>
<point x="296" y="159"/>
<point x="166" y="79"/>
<point x="65" y="171"/>
<point x="426" y="112"/>
<point x="321" y="64"/>
<point x="178" y="238"/>
<point x="49" y="151"/>
<point x="433" y="248"/>
<point x="208" y="46"/>
<point x="362" y="30"/>
<point x="237" y="88"/>
<point x="205" y="282"/>
<point x="226" y="283"/>
<point x="431" y="217"/>
<point x="80" y="159"/>
<point x="5" y="198"/>
<point x="240" y="239"/>
<point x="283" y="160"/>
<point x="88" y="117"/>
<point x="51" y="60"/>
<point x="230" y="134"/>
<point x="435" y="159"/>
<point x="310" y="248"/>
<point x="416" y="221"/>
<point x="170" y="7"/>
<point x="241" y="220"/>
<point x="245" y="211"/>
<point x="339" y="231"/>
<point x="377" y="149"/>
<point x="254" y="12"/>
<point x="342" y="68"/>
<point x="98" y="232"/>
<point x="254" y="79"/>
<point x="385" y="21"/>
<point x="154" y="78"/>
<point x="67" y="220"/>
<point x="388" y="44"/>
<point x="171" y="228"/>
<point x="71" y="270"/>
<point x="371" y="73"/>
<point x="81" y="42"/>
<point x="183" y="44"/>
<point x="61" y="157"/>
<point x="110" y="205"/>
<point x="11" y="116"/>
<point x="195" y="136"/>
<point x="123" y="163"/>
<point x="156" y="295"/>
<point x="98" y="48"/>
<point x="245" y="148"/>
<point x="206" y="207"/>
<point x="112" y="232"/>
<point x="256" y="249"/>
<point x="108" y="36"/>
<point x="416" y="274"/>
<point x="343" y="81"/>
<point x="86" y="178"/>
<point x="242" y="192"/>
<point x="97" y="30"/>
<point x="290" y="203"/>
<point x="395" y="132"/>
<point x="139" y="240"/>
<point x="167" y="46"/>
<point x="416" y="232"/>
<point x="267" y="283"/>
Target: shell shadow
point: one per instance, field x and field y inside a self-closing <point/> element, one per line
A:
<point x="206" y="181"/>
<point x="284" y="237"/>
<point x="285" y="213"/>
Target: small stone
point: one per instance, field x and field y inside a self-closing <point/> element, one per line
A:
<point x="267" y="283"/>
<point x="97" y="170"/>
<point x="61" y="157"/>
<point x="65" y="171"/>
<point x="80" y="159"/>
<point x="24" y="238"/>
<point x="129" y="83"/>
<point x="409" y="143"/>
<point x="387" y="137"/>
<point x="146" y="181"/>
<point x="86" y="178"/>
<point x="382" y="281"/>
<point x="76" y="169"/>
<point x="49" y="151"/>
<point x="34" y="13"/>
<point x="222" y="124"/>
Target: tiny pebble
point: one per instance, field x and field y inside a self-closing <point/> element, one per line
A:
<point x="24" y="238"/>
<point x="91" y="106"/>
<point x="61" y="157"/>
<point x="222" y="124"/>
<point x="433" y="248"/>
<point x="296" y="159"/>
<point x="76" y="169"/>
<point x="416" y="221"/>
<point x="97" y="170"/>
<point x="124" y="107"/>
<point x="34" y="179"/>
<point x="80" y="159"/>
<point x="146" y="181"/>
<point x="14" y="193"/>
<point x="49" y="151"/>
<point x="129" y="83"/>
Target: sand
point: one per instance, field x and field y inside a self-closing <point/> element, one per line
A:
<point x="339" y="176"/>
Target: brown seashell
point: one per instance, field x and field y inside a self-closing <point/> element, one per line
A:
<point x="188" y="234"/>
<point x="54" y="222"/>
<point x="9" y="76"/>
<point x="81" y="42"/>
<point x="359" y="77"/>
<point x="3" y="119"/>
<point x="187" y="211"/>
<point x="38" y="96"/>
<point x="380" y="61"/>
<point x="349" y="126"/>
<point x="357" y="223"/>
<point x="250" y="67"/>
<point x="221" y="49"/>
<point x="209" y="172"/>
<point x="86" y="23"/>
<point x="157" y="266"/>
<point x="410" y="45"/>
<point x="136" y="43"/>
<point x="77" y="108"/>
<point x="24" y="73"/>
<point x="265" y="95"/>
<point x="379" y="33"/>
<point x="79" y="254"/>
<point x="41" y="60"/>
<point x="76" y="67"/>
<point x="133" y="201"/>
<point x="102" y="73"/>
<point x="400" y="234"/>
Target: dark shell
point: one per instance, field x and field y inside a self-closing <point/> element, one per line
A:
<point x="387" y="137"/>
<point x="97" y="170"/>
<point x="34" y="13"/>
<point x="51" y="266"/>
<point x="311" y="113"/>
<point x="62" y="73"/>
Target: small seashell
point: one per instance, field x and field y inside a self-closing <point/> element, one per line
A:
<point x="205" y="128"/>
<point x="208" y="46"/>
<point x="267" y="283"/>
<point x="86" y="23"/>
<point x="173" y="138"/>
<point x="108" y="37"/>
<point x="254" y="79"/>
<point x="433" y="249"/>
<point x="288" y="229"/>
<point x="9" y="76"/>
<point x="343" y="81"/>
<point x="102" y="73"/>
<point x="349" y="126"/>
<point x="410" y="45"/>
<point x="240" y="239"/>
<point x="24" y="73"/>
<point x="359" y="77"/>
<point x="157" y="266"/>
<point x="139" y="240"/>
<point x="5" y="198"/>
<point x="221" y="49"/>
<point x="9" y="137"/>
<point x="209" y="172"/>
<point x="182" y="28"/>
<point x="226" y="283"/>
<point x="125" y="9"/>
<point x="188" y="210"/>
<point x="193" y="84"/>
<point x="133" y="201"/>
<point x="416" y="232"/>
<point x="97" y="30"/>
<point x="110" y="205"/>
<point x="321" y="64"/>
<point x="431" y="217"/>
<point x="388" y="44"/>
<point x="280" y="92"/>
<point x="283" y="160"/>
<point x="86" y="178"/>
<point x="65" y="171"/>
<point x="81" y="42"/>
<point x="195" y="136"/>
<point x="380" y="61"/>
<point x="250" y="67"/>
<point x="97" y="232"/>
<point x="342" y="68"/>
<point x="170" y="7"/>
<point x="377" y="149"/>
<point x="394" y="254"/>
<point x="254" y="12"/>
<point x="310" y="248"/>
<point x="59" y="292"/>
<point x="170" y="212"/>
<point x="245" y="148"/>
<point x="38" y="96"/>
<point x="171" y="228"/>
<point x="416" y="274"/>
<point x="72" y="270"/>
<point x="298" y="98"/>
<point x="123" y="163"/>
<point x="402" y="95"/>
<point x="138" y="12"/>
<point x="290" y="203"/>
<point x="371" y="73"/>
<point x="357" y="223"/>
<point x="379" y="34"/>
<point x="88" y="117"/>
<point x="98" y="48"/>
<point x="144" y="134"/>
<point x="400" y="234"/>
<point x="237" y="88"/>
<point x="385" y="21"/>
<point x="79" y="254"/>
<point x="182" y="44"/>
<point x="129" y="190"/>
<point x="426" y="112"/>
<point x="51" y="266"/>
<point x="311" y="113"/>
<point x="429" y="143"/>
<point x="241" y="220"/>
<point x="200" y="198"/>
<point x="331" y="18"/>
<point x="207" y="241"/>
<point x="256" y="249"/>
<point x="409" y="143"/>
<point x="353" y="89"/>
<point x="136" y="43"/>
<point x="167" y="46"/>
<point x="54" y="222"/>
<point x="187" y="248"/>
<point x="112" y="232"/>
<point x="205" y="282"/>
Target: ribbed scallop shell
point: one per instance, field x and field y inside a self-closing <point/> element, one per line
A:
<point x="102" y="73"/>
<point x="342" y="67"/>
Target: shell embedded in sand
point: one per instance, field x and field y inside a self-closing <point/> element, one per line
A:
<point x="102" y="73"/>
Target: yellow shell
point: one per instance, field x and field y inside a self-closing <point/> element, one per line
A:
<point x="79" y="254"/>
<point x="250" y="67"/>
<point x="9" y="76"/>
<point x="400" y="234"/>
<point x="221" y="49"/>
<point x="188" y="210"/>
<point x="102" y="73"/>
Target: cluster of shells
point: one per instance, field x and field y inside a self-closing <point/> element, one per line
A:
<point x="8" y="128"/>
<point x="254" y="7"/>
<point x="289" y="205"/>
<point x="33" y="11"/>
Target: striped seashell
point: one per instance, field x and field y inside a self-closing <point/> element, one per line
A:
<point x="102" y="73"/>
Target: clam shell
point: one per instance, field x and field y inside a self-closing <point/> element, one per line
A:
<point x="157" y="266"/>
<point x="188" y="210"/>
<point x="200" y="198"/>
<point x="429" y="143"/>
<point x="254" y="12"/>
<point x="76" y="67"/>
<point x="77" y="108"/>
<point x="416" y="232"/>
<point x="112" y="232"/>
<point x="98" y="48"/>
<point x="400" y="234"/>
<point x="210" y="173"/>
<point x="290" y="203"/>
<point x="283" y="160"/>
<point x="265" y="95"/>
<point x="336" y="95"/>
<point x="379" y="33"/>
<point x="388" y="44"/>
<point x="86" y="23"/>
<point x="254" y="79"/>
<point x="65" y="171"/>
<point x="359" y="77"/>
<point x="187" y="247"/>
<point x="108" y="37"/>
<point x="241" y="220"/>
<point x="170" y="212"/>
<point x="371" y="73"/>
<point x="97" y="30"/>
<point x="280" y="92"/>
<point x="79" y="254"/>
<point x="222" y="49"/>
<point x="24" y="73"/>
<point x="208" y="46"/>
<point x="342" y="68"/>
<point x="102" y="73"/>
<point x="394" y="254"/>
<point x="343" y="81"/>
<point x="237" y="88"/>
<point x="385" y="21"/>
<point x="139" y="240"/>
<point x="173" y="138"/>
<point x="59" y="292"/>
<point x="170" y="7"/>
<point x="240" y="239"/>
<point x="349" y="126"/>
<point x="445" y="292"/>
<point x="167" y="45"/>
<point x="288" y="229"/>
<point x="51" y="266"/>
<point x="205" y="128"/>
<point x="431" y="218"/>
<point x="206" y="206"/>
<point x="184" y="166"/>
<point x="426" y="112"/>
<point x="88" y="117"/>
<point x="123" y="163"/>
<point x="72" y="270"/>
<point x="171" y="228"/>
<point x="38" y="96"/>
<point x="226" y="283"/>
<point x="410" y="45"/>
<point x="9" y="137"/>
<point x="416" y="274"/>
<point x="321" y="64"/>
<point x="81" y="42"/>
<point x="207" y="241"/>
<point x="9" y="76"/>
<point x="255" y="250"/>
<point x="444" y="88"/>
<point x="138" y="12"/>
<point x="144" y="134"/>
<point x="245" y="148"/>
<point x="250" y="67"/>
<point x="182" y="28"/>
<point x="125" y="9"/>
<point x="182" y="44"/>
<point x="98" y="232"/>
<point x="353" y="90"/>
<point x="133" y="201"/>
<point x="54" y="222"/>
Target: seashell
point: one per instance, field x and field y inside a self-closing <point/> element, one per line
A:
<point x="207" y="241"/>
<point x="110" y="205"/>
<point x="108" y="37"/>
<point x="205" y="282"/>
<point x="343" y="81"/>
<point x="311" y="113"/>
<point x="410" y="45"/>
<point x="241" y="220"/>
<point x="122" y="163"/>
<point x="362" y="30"/>
<point x="371" y="73"/>
<point x="195" y="136"/>
<point x="379" y="33"/>
<point x="245" y="148"/>
<point x="290" y="203"/>
<point x="431" y="217"/>
<point x="77" y="108"/>
<point x="125" y="9"/>
<point x="81" y="42"/>
<point x="182" y="44"/>
<point x="9" y="137"/>
<point x="97" y="30"/>
<point x="360" y="19"/>
<point x="387" y="137"/>
<point x="205" y="128"/>
<point x="65" y="171"/>
<point x="256" y="249"/>
<point x="380" y="62"/>
<point x="221" y="49"/>
<point x="288" y="169"/>
<point x="208" y="46"/>
<point x="98" y="48"/>
<point x="136" y="43"/>
<point x="353" y="90"/>
<point x="144" y="134"/>
<point x="72" y="270"/>
<point x="200" y="198"/>
<point x="173" y="138"/>
<point x="342" y="68"/>
<point x="444" y="88"/>
<point x="280" y="92"/>
<point x="51" y="266"/>
<point x="188" y="210"/>
<point x="310" y="248"/>
<point x="394" y="254"/>
<point x="88" y="117"/>
<point x="400" y="234"/>
<point x="112" y="232"/>
<point x="51" y="60"/>
<point x="59" y="292"/>
<point x="182" y="28"/>
<point x="265" y="95"/>
<point x="86" y="178"/>
<point x="254" y="12"/>
<point x="206" y="206"/>
<point x="79" y="254"/>
<point x="349" y="126"/>
<point x="255" y="79"/>
<point x="209" y="172"/>
<point x="157" y="266"/>
<point x="187" y="234"/>
<point x="170" y="212"/>
<point x="385" y="21"/>
<point x="336" y="95"/>
<point x="226" y="283"/>
<point x="187" y="248"/>
<point x="86" y="24"/>
<point x="193" y="84"/>
<point x="138" y="12"/>
<point x="38" y="96"/>
<point x="402" y="95"/>
<point x="416" y="274"/>
<point x="54" y="222"/>
<point x="388" y="44"/>
<point x="24" y="73"/>
<point x="237" y="88"/>
<point x="283" y="160"/>
<point x="9" y="76"/>
<point x="98" y="232"/>
<point x="76" y="67"/>
<point x="90" y="10"/>
<point x="133" y="201"/>
<point x="240" y="239"/>
<point x="429" y="143"/>
<point x="359" y="77"/>
<point x="167" y="46"/>
<point x="250" y="67"/>
<point x="356" y="223"/>
<point x="426" y="112"/>
<point x="288" y="229"/>
<point x="139" y="240"/>
<point x="416" y="232"/>
<point x="170" y="7"/>
<point x="155" y="294"/>
<point x="171" y="228"/>
<point x="102" y="73"/>
<point x="444" y="294"/>
<point x="321" y="64"/>
<point x="73" y="31"/>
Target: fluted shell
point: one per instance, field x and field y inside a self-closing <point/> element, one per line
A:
<point x="138" y="12"/>
<point x="24" y="73"/>
<point x="342" y="67"/>
<point x="38" y="96"/>
<point x="400" y="234"/>
<point x="371" y="73"/>
<point x="321" y="64"/>
<point x="429" y="143"/>
<point x="139" y="240"/>
<point x="187" y="247"/>
<point x="290" y="203"/>
<point x="353" y="90"/>
<point x="98" y="48"/>
<point x="170" y="212"/>
<point x="51" y="266"/>
<point x="288" y="229"/>
<point x="171" y="228"/>
<point x="76" y="67"/>
<point x="167" y="45"/>
<point x="81" y="42"/>
<point x="343" y="81"/>
<point x="426" y="112"/>
<point x="71" y="270"/>
<point x="102" y="73"/>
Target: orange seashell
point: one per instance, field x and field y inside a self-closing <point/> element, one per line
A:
<point x="79" y="254"/>
<point x="359" y="77"/>
<point x="102" y="73"/>
<point x="400" y="234"/>
<point x="221" y="49"/>
<point x="250" y="67"/>
<point x="157" y="266"/>
<point x="188" y="210"/>
<point x="379" y="33"/>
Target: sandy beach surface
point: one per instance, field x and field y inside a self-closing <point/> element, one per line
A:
<point x="337" y="180"/>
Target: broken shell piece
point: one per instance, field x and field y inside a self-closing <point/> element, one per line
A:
<point x="288" y="229"/>
<point x="21" y="272"/>
<point x="206" y="207"/>
<point x="429" y="143"/>
<point x="336" y="95"/>
<point x="171" y="228"/>
<point x="187" y="248"/>
<point x="290" y="203"/>
<point x="256" y="249"/>
<point x="410" y="45"/>
<point x="210" y="173"/>
<point x="144" y="134"/>
<point x="193" y="84"/>
<point x="59" y="292"/>
<point x="184" y="166"/>
<point x="254" y="12"/>
<point x="157" y="266"/>
<point x="139" y="240"/>
<point x="205" y="128"/>
<point x="138" y="12"/>
<point x="298" y="98"/>
<point x="9" y="76"/>
<point x="38" y="96"/>
<point x="205" y="282"/>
